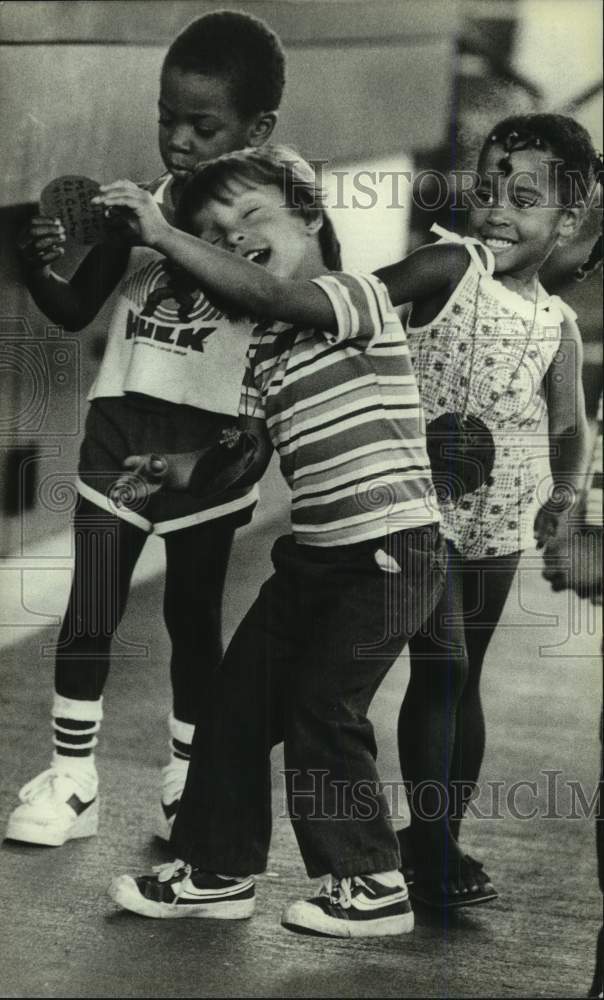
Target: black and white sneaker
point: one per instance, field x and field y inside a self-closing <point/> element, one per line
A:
<point x="179" y="890"/>
<point x="360" y="906"/>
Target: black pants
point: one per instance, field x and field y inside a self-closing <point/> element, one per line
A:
<point x="302" y="669"/>
<point x="441" y="724"/>
<point x="106" y="551"/>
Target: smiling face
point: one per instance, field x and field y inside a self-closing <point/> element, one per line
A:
<point x="198" y="121"/>
<point x="516" y="214"/>
<point x="255" y="223"/>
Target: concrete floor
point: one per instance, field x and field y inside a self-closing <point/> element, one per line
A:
<point x="62" y="937"/>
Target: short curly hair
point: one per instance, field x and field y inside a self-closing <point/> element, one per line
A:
<point x="239" y="48"/>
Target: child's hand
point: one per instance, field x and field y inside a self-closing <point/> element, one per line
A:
<point x="554" y="517"/>
<point x="146" y="475"/>
<point x="144" y="214"/>
<point x="546" y="526"/>
<point x="574" y="562"/>
<point x="41" y="241"/>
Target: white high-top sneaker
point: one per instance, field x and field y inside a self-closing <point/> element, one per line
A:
<point x="59" y="804"/>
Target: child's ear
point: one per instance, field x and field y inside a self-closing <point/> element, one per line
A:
<point x="262" y="128"/>
<point x="568" y="225"/>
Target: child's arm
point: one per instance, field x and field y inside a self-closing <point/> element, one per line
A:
<point x="425" y="272"/>
<point x="253" y="288"/>
<point x="574" y="562"/>
<point x="74" y="303"/>
<point x="220" y="272"/>
<point x="568" y="434"/>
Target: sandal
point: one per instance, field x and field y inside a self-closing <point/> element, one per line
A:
<point x="479" y="873"/>
<point x="468" y="885"/>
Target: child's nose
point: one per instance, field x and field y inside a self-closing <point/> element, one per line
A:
<point x="235" y="239"/>
<point x="498" y="215"/>
<point x="180" y="138"/>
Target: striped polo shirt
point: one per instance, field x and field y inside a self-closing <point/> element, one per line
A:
<point x="343" y="412"/>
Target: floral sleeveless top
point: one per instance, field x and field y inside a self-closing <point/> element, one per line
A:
<point x="486" y="355"/>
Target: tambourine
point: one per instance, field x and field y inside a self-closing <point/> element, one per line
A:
<point x="462" y="455"/>
<point x="226" y="464"/>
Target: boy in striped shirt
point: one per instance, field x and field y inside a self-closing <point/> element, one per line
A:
<point x="334" y="387"/>
<point x="343" y="412"/>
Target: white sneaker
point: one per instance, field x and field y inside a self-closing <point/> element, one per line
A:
<point x="56" y="806"/>
<point x="360" y="906"/>
<point x="173" y="780"/>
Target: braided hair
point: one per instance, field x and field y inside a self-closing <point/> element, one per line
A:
<point x="579" y="168"/>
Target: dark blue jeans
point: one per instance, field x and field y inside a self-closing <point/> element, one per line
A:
<point x="302" y="668"/>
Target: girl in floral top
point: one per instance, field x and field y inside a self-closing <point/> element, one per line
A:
<point x="492" y="348"/>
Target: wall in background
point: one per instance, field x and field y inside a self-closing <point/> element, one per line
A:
<point x="571" y="33"/>
<point x="82" y="82"/>
<point x="368" y="83"/>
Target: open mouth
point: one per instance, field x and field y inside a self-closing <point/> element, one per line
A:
<point x="497" y="245"/>
<point x="258" y="256"/>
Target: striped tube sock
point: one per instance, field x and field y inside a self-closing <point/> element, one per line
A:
<point x="75" y="724"/>
<point x="181" y="737"/>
